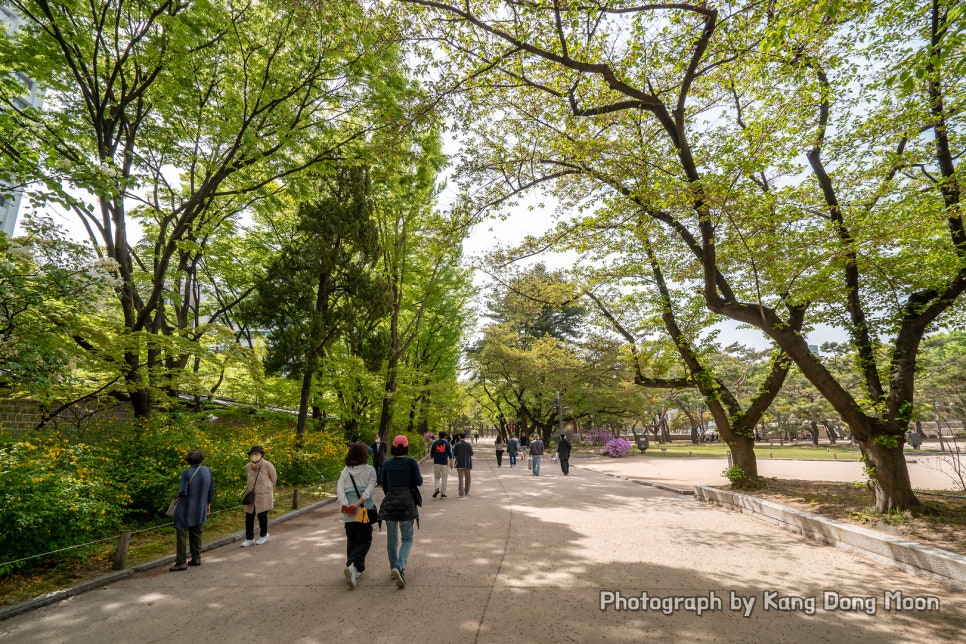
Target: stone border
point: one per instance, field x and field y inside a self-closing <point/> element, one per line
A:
<point x="58" y="595"/>
<point x="919" y="559"/>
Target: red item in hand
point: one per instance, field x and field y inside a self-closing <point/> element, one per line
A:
<point x="349" y="510"/>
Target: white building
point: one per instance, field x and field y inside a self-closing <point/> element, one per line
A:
<point x="10" y="205"/>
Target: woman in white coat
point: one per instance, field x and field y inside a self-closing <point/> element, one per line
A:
<point x="357" y="484"/>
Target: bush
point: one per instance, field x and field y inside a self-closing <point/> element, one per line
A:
<point x="59" y="491"/>
<point x="53" y="496"/>
<point x="618" y="447"/>
<point x="598" y="436"/>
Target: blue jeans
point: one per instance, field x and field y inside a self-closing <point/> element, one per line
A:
<point x="513" y="458"/>
<point x="398" y="560"/>
<point x="536" y="464"/>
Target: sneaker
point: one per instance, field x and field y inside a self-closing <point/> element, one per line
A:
<point x="397" y="574"/>
<point x="442" y="496"/>
<point x="259" y="541"/>
<point x="184" y="566"/>
<point x="436" y="493"/>
<point x="351" y="575"/>
<point x="248" y="542"/>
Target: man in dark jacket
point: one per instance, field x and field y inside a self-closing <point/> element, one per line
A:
<point x="442" y="453"/>
<point x="378" y="454"/>
<point x="563" y="454"/>
<point x="536" y="453"/>
<point x="463" y="450"/>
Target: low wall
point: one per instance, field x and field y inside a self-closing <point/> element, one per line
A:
<point x="25" y="415"/>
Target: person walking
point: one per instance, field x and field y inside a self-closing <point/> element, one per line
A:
<point x="442" y="453"/>
<point x="196" y="493"/>
<point x="512" y="447"/>
<point x="463" y="450"/>
<point x="378" y="454"/>
<point x="260" y="477"/>
<point x="563" y="454"/>
<point x="524" y="445"/>
<point x="499" y="444"/>
<point x="357" y="484"/>
<point x="400" y="481"/>
<point x="536" y="453"/>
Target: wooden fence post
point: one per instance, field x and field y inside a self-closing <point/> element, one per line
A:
<point x="120" y="557"/>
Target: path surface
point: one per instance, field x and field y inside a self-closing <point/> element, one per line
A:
<point x="523" y="559"/>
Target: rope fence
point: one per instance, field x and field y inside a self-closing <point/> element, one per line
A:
<point x="127" y="534"/>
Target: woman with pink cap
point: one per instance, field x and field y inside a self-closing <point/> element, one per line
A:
<point x="400" y="479"/>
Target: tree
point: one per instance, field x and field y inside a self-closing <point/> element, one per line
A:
<point x="322" y="281"/>
<point x="50" y="290"/>
<point x="191" y="109"/>
<point x="722" y="107"/>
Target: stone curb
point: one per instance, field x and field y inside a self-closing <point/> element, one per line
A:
<point x="58" y="595"/>
<point x="925" y="561"/>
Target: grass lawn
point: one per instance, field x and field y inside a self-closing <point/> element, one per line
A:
<point x="720" y="450"/>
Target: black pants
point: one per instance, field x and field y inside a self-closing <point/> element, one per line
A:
<point x="499" y="458"/>
<point x="358" y="541"/>
<point x="190" y="535"/>
<point x="565" y="465"/>
<point x="250" y="524"/>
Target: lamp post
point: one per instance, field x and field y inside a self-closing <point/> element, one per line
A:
<point x="939" y="429"/>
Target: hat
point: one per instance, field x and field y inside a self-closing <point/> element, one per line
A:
<point x="400" y="441"/>
<point x="257" y="448"/>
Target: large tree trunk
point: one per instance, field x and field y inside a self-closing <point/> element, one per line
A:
<point x="890" y="478"/>
<point x="743" y="455"/>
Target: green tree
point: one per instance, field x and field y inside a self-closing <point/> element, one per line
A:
<point x="190" y="109"/>
<point x="849" y="88"/>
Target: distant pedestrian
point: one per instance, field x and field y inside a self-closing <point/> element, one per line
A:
<point x="463" y="452"/>
<point x="499" y="444"/>
<point x="563" y="454"/>
<point x="442" y="453"/>
<point x="378" y="451"/>
<point x="400" y="477"/>
<point x="512" y="447"/>
<point x="260" y="477"/>
<point x="536" y="453"/>
<point x="357" y="484"/>
<point x="196" y="493"/>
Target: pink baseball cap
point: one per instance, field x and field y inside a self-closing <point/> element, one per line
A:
<point x="400" y="441"/>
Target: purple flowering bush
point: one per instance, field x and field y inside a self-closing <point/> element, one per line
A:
<point x="618" y="447"/>
<point x="598" y="436"/>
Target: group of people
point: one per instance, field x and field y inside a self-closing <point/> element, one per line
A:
<point x="400" y="479"/>
<point x="398" y="476"/>
<point x="196" y="492"/>
<point x="531" y="450"/>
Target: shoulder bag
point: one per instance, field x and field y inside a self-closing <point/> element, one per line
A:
<point x="417" y="495"/>
<point x="249" y="497"/>
<point x="365" y="515"/>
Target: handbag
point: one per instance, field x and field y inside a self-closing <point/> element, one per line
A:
<point x="417" y="495"/>
<point x="249" y="497"/>
<point x="365" y="515"/>
<point x="173" y="506"/>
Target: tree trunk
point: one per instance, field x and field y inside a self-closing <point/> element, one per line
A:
<point x="813" y="430"/>
<point x="830" y="432"/>
<point x="890" y="478"/>
<point x="743" y="453"/>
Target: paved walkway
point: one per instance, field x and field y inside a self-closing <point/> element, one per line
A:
<point x="523" y="559"/>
